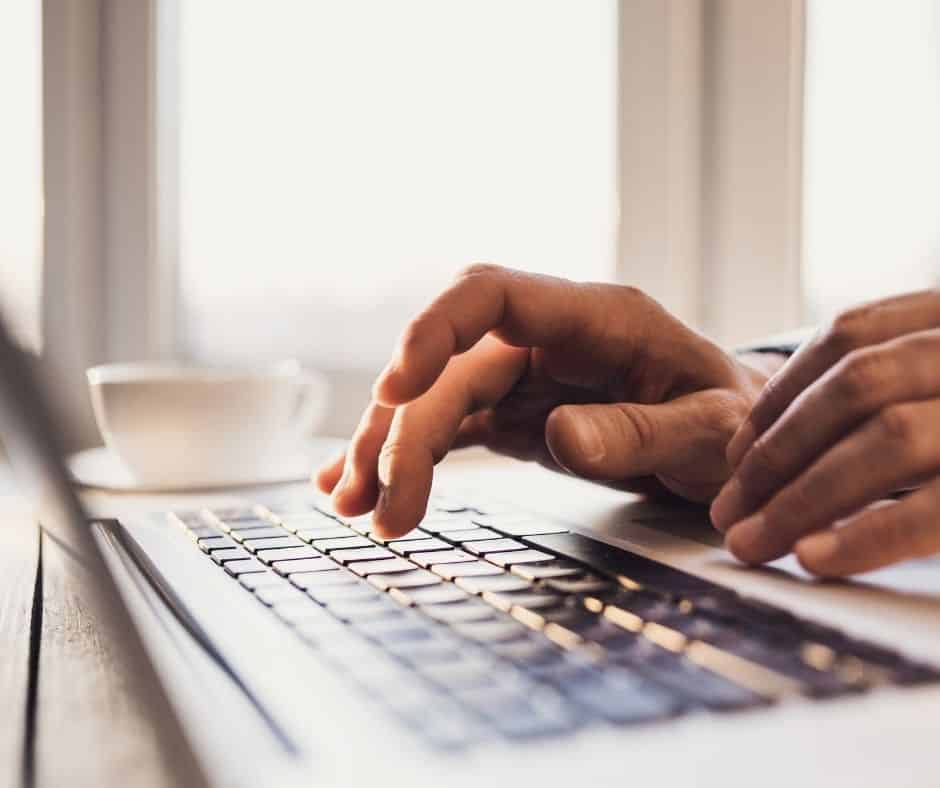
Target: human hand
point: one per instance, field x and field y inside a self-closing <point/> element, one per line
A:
<point x="853" y="417"/>
<point x="598" y="379"/>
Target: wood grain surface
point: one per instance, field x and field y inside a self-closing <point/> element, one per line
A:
<point x="19" y="554"/>
<point x="98" y="721"/>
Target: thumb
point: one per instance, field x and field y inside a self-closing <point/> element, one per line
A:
<point x="623" y="440"/>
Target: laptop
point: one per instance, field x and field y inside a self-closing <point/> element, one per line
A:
<point x="535" y="629"/>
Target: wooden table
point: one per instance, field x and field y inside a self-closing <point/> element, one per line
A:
<point x="70" y="715"/>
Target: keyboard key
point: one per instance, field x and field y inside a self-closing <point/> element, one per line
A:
<point x="530" y="651"/>
<point x="474" y="569"/>
<point x="202" y="531"/>
<point x="288" y="568"/>
<point x="439" y="594"/>
<point x="334" y="531"/>
<point x="499" y="520"/>
<point x="256" y="523"/>
<point x="442" y="557"/>
<point x="495" y="631"/>
<point x="261" y="580"/>
<point x="322" y="578"/>
<point x="328" y="633"/>
<point x="472" y="535"/>
<point x="259" y="533"/>
<point x="520" y="557"/>
<point x="697" y="685"/>
<point x="369" y="610"/>
<point x="493" y="546"/>
<point x="414" y="535"/>
<point x="275" y="543"/>
<point x="417" y="578"/>
<point x="229" y="554"/>
<point x="358" y="592"/>
<point x="464" y="673"/>
<point x="272" y="595"/>
<point x="522" y="714"/>
<point x="448" y="526"/>
<point x="366" y="568"/>
<point x="448" y="504"/>
<point x="621" y="698"/>
<point x="428" y="651"/>
<point x="408" y="546"/>
<point x="287" y="554"/>
<point x="444" y="725"/>
<point x="505" y="601"/>
<point x="345" y="543"/>
<point x="232" y="513"/>
<point x="500" y="582"/>
<point x="583" y="584"/>
<point x="243" y="567"/>
<point x="458" y="612"/>
<point x="395" y="629"/>
<point x="300" y="608"/>
<point x="361" y="554"/>
<point x="209" y="543"/>
<point x="533" y="572"/>
<point x="308" y="521"/>
<point x="532" y="529"/>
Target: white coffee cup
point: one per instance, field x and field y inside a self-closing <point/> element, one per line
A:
<point x="174" y="424"/>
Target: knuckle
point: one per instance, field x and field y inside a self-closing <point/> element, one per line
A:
<point x="631" y="293"/>
<point x="898" y="423"/>
<point x="861" y="374"/>
<point x="390" y="452"/>
<point x="478" y="270"/>
<point x="846" y="332"/>
<point x="764" y="463"/>
<point x="636" y="428"/>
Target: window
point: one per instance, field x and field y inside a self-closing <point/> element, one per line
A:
<point x="235" y="181"/>
<point x="871" y="156"/>
<point x="21" y="167"/>
<point x="340" y="161"/>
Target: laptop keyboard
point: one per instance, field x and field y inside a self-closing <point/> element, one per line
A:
<point x="487" y="621"/>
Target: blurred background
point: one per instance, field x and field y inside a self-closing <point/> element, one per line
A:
<point x="238" y="181"/>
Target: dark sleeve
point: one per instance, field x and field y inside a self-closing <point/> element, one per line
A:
<point x="784" y="344"/>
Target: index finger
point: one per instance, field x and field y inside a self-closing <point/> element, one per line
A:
<point x="521" y="309"/>
<point x="865" y="325"/>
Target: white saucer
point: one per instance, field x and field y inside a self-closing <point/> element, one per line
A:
<point x="102" y="469"/>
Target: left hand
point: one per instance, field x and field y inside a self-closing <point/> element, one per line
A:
<point x="853" y="417"/>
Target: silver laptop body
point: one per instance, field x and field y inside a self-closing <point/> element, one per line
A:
<point x="225" y="678"/>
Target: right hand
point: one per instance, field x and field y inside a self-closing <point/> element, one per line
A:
<point x="597" y="379"/>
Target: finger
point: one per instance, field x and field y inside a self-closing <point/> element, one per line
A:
<point x="356" y="491"/>
<point x="521" y="309"/>
<point x="866" y="325"/>
<point x="423" y="431"/>
<point x="481" y="429"/>
<point x="877" y="537"/>
<point x="862" y="383"/>
<point x="327" y="477"/>
<point x="625" y="440"/>
<point x="897" y="447"/>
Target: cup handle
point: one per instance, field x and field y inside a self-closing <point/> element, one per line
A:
<point x="311" y="402"/>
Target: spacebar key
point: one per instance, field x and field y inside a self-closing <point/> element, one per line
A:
<point x="622" y="563"/>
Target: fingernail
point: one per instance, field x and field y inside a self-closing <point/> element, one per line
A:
<point x="819" y="549"/>
<point x="747" y="539"/>
<point x="726" y="508"/>
<point x="740" y="443"/>
<point x="590" y="442"/>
